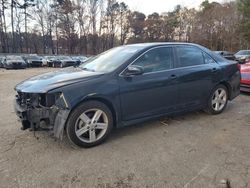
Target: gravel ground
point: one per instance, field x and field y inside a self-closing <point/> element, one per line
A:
<point x="193" y="150"/>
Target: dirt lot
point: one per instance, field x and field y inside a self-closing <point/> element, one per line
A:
<point x="194" y="150"/>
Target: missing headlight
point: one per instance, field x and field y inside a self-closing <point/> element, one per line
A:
<point x="61" y="102"/>
<point x="47" y="100"/>
<point x="51" y="99"/>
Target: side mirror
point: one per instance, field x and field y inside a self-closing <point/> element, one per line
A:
<point x="133" y="70"/>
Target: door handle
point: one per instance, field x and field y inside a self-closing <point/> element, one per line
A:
<point x="214" y="70"/>
<point x="173" y="77"/>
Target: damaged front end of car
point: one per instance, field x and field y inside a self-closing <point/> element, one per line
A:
<point x="42" y="112"/>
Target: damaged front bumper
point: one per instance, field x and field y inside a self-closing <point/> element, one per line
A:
<point x="42" y="112"/>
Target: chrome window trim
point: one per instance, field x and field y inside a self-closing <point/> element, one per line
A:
<point x="205" y="64"/>
<point x="175" y="69"/>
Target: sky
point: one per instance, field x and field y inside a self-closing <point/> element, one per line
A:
<point x="160" y="6"/>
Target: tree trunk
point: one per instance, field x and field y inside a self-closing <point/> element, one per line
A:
<point x="12" y="27"/>
<point x="6" y="39"/>
<point x="44" y="40"/>
<point x="4" y="29"/>
<point x="26" y="34"/>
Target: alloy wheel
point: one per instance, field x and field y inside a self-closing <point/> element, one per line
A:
<point x="219" y="99"/>
<point x="91" y="125"/>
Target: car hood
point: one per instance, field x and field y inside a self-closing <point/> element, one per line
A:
<point x="241" y="56"/>
<point x="14" y="61"/>
<point x="49" y="81"/>
<point x="66" y="59"/>
<point x="34" y="59"/>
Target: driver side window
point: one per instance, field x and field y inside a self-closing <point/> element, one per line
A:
<point x="157" y="59"/>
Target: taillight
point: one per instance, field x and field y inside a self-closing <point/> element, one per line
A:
<point x="247" y="60"/>
<point x="239" y="66"/>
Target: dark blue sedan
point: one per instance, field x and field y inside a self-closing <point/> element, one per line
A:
<point x="126" y="85"/>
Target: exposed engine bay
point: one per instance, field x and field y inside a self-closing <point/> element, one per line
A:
<point x="42" y="112"/>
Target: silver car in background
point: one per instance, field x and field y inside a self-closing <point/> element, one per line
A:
<point x="1" y="61"/>
<point x="33" y="60"/>
<point x="63" y="61"/>
<point x="243" y="56"/>
<point x="79" y="59"/>
<point x="14" y="62"/>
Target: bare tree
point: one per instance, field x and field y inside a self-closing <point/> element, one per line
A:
<point x="93" y="26"/>
<point x="5" y="38"/>
<point x="124" y="14"/>
<point x="13" y="5"/>
<point x="26" y="4"/>
<point x="18" y="25"/>
<point x="83" y="24"/>
<point x="93" y="10"/>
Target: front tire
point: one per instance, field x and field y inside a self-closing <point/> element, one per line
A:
<point x="89" y="124"/>
<point x="218" y="100"/>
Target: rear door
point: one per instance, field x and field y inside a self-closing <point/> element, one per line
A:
<point x="197" y="75"/>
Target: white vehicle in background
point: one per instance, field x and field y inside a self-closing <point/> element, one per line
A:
<point x="47" y="61"/>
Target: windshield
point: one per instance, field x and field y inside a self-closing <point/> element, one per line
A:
<point x="14" y="58"/>
<point x="35" y="57"/>
<point x="243" y="52"/>
<point x="48" y="57"/>
<point x="111" y="59"/>
<point x="65" y="58"/>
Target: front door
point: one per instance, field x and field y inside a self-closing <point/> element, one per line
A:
<point x="154" y="92"/>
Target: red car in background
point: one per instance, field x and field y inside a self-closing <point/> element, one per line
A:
<point x="245" y="77"/>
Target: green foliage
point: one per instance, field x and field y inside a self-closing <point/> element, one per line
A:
<point x="205" y="5"/>
<point x="244" y="9"/>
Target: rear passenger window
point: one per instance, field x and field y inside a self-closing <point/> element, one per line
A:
<point x="208" y="59"/>
<point x="189" y="56"/>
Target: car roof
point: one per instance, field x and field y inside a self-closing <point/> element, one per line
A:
<point x="155" y="44"/>
<point x="152" y="44"/>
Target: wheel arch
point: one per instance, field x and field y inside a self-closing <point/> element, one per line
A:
<point x="228" y="86"/>
<point x="103" y="100"/>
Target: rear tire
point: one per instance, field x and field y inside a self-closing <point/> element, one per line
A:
<point x="218" y="100"/>
<point x="89" y="124"/>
